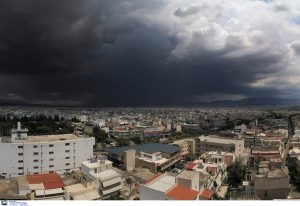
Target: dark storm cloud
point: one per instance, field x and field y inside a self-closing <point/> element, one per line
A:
<point x="111" y="53"/>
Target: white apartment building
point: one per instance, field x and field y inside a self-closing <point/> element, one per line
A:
<point x="108" y="181"/>
<point x="240" y="128"/>
<point x="24" y="155"/>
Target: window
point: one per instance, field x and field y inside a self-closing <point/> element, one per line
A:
<point x="95" y="170"/>
<point x="35" y="153"/>
<point x="51" y="159"/>
<point x="20" y="147"/>
<point x="67" y="158"/>
<point x="35" y="160"/>
<point x="20" y="168"/>
<point x="20" y="154"/>
<point x="51" y="166"/>
<point x="20" y="173"/>
<point x="36" y="167"/>
<point x="67" y="144"/>
<point x="67" y="164"/>
<point x="34" y="146"/>
<point x="51" y="152"/>
<point x="35" y="173"/>
<point x="4" y="173"/>
<point x="67" y="151"/>
<point x="20" y="161"/>
<point x="51" y="145"/>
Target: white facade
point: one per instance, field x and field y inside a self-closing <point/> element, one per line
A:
<point x="43" y="154"/>
<point x="107" y="180"/>
<point x="240" y="128"/>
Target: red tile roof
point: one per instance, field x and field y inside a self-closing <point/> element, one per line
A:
<point x="207" y="194"/>
<point x="50" y="181"/>
<point x="182" y="193"/>
<point x="191" y="166"/>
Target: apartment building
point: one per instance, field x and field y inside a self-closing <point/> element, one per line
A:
<point x="220" y="144"/>
<point x="187" y="146"/>
<point x="107" y="180"/>
<point x="26" y="155"/>
<point x="155" y="156"/>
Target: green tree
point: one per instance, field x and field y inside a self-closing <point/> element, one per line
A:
<point x="100" y="135"/>
<point x="236" y="173"/>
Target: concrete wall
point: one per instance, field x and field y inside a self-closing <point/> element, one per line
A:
<point x="129" y="160"/>
<point x="142" y="163"/>
<point x="147" y="193"/>
<point x="272" y="188"/>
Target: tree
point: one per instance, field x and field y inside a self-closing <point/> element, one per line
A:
<point x="122" y="142"/>
<point x="236" y="173"/>
<point x="100" y="135"/>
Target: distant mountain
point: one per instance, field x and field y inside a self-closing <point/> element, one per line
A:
<point x="14" y="103"/>
<point x="260" y="101"/>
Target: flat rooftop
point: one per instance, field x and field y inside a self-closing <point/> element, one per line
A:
<point x="95" y="164"/>
<point x="163" y="183"/>
<point x="148" y="148"/>
<point x="218" y="139"/>
<point x="106" y="175"/>
<point x="48" y="138"/>
<point x="159" y="162"/>
<point x="186" y="174"/>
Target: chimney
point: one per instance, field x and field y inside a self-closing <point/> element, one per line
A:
<point x="19" y="125"/>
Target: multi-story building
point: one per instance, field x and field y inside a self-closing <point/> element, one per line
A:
<point x="25" y="155"/>
<point x="107" y="180"/>
<point x="155" y="156"/>
<point x="240" y="128"/>
<point x="187" y="146"/>
<point x="274" y="184"/>
<point x="221" y="144"/>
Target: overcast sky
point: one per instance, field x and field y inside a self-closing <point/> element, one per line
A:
<point x="140" y="52"/>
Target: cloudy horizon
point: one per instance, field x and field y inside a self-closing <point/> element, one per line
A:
<point x="135" y="52"/>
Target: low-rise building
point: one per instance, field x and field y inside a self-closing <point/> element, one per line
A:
<point x="41" y="186"/>
<point x="273" y="184"/>
<point x="107" y="180"/>
<point x="155" y="156"/>
<point x="217" y="143"/>
<point x="169" y="187"/>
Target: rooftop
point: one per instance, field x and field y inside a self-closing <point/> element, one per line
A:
<point x="218" y="139"/>
<point x="186" y="174"/>
<point x="95" y="164"/>
<point x="47" y="138"/>
<point x="107" y="174"/>
<point x="148" y="148"/>
<point x="206" y="194"/>
<point x="182" y="193"/>
<point x="162" y="183"/>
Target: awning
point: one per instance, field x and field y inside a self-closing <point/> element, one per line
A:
<point x="54" y="191"/>
<point x="93" y="195"/>
<point x="114" y="189"/>
<point x="111" y="182"/>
